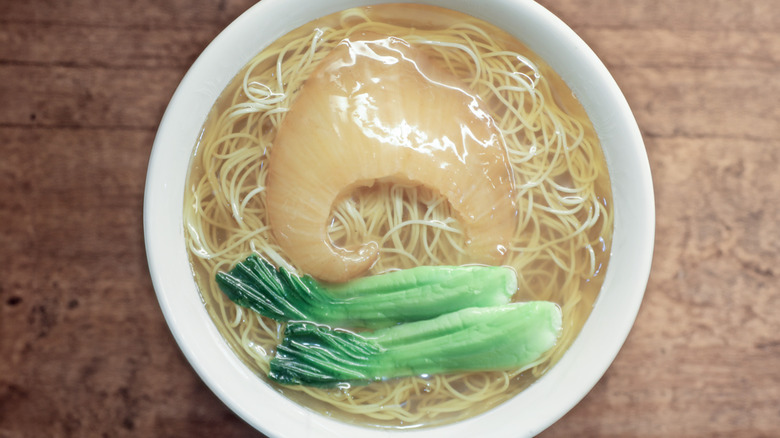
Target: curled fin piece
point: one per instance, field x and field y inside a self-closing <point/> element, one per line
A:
<point x="376" y="108"/>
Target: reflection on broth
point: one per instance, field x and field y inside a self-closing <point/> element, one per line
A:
<point x="543" y="197"/>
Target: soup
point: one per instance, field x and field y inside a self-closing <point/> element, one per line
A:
<point x="557" y="243"/>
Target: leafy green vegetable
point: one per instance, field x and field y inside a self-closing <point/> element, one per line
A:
<point x="377" y="301"/>
<point x="474" y="339"/>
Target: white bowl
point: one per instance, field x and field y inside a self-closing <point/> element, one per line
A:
<point x="528" y="413"/>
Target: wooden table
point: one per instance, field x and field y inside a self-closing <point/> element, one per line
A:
<point x="84" y="349"/>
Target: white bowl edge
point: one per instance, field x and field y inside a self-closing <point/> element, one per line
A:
<point x="540" y="405"/>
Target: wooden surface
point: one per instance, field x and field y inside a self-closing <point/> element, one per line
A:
<point x="84" y="349"/>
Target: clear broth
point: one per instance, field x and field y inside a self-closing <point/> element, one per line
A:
<point x="219" y="233"/>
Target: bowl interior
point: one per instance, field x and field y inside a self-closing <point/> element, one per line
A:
<point x="535" y="408"/>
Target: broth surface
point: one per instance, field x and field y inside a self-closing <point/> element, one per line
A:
<point x="561" y="243"/>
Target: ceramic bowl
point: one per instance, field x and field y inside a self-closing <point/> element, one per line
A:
<point x="526" y="414"/>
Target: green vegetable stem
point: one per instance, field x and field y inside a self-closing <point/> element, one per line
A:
<point x="510" y="336"/>
<point x="377" y="301"/>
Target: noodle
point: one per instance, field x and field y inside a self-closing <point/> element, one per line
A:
<point x="559" y="250"/>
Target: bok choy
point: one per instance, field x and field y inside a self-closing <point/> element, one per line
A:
<point x="510" y="336"/>
<point x="377" y="301"/>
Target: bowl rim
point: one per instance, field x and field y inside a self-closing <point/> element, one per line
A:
<point x="258" y="403"/>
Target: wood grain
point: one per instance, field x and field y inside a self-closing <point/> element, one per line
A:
<point x="85" y="351"/>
